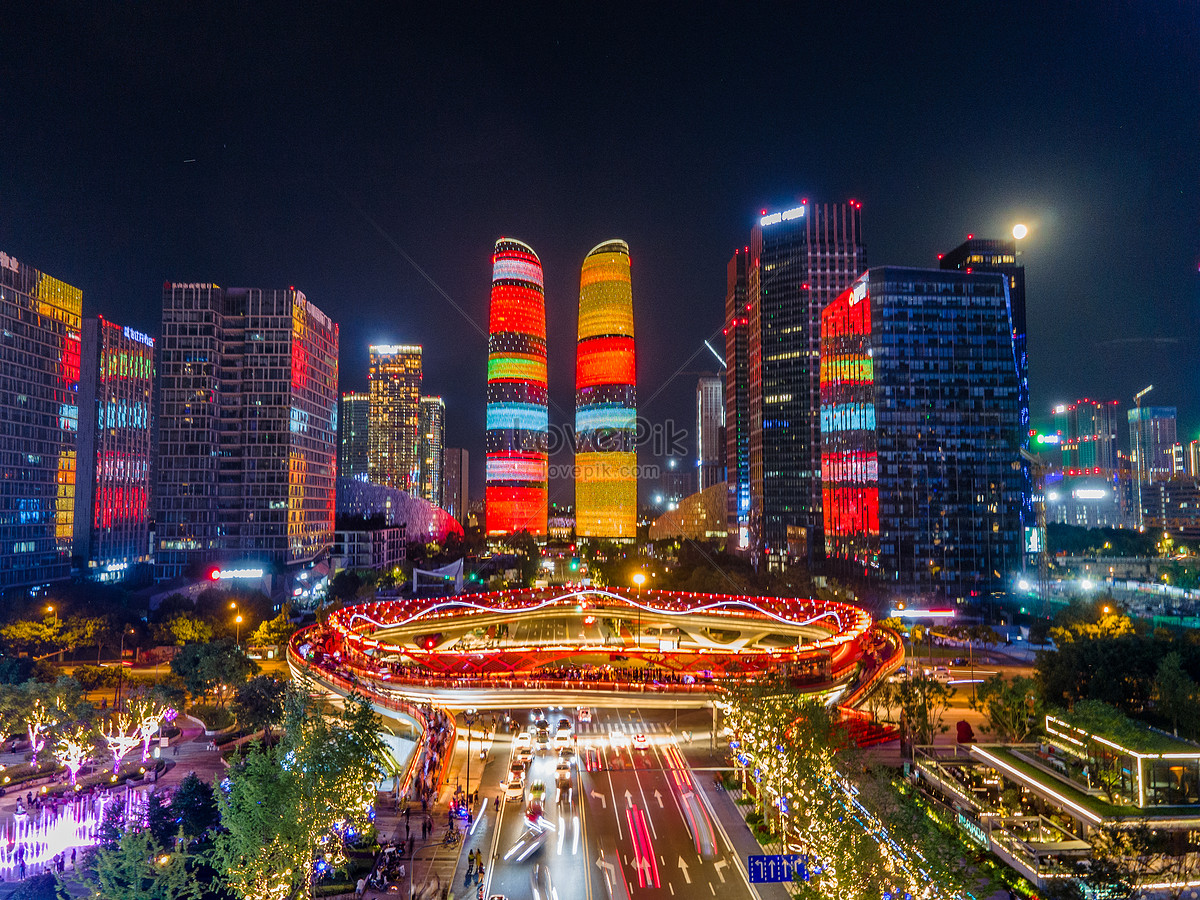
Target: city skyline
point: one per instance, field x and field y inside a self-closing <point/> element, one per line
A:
<point x="338" y="210"/>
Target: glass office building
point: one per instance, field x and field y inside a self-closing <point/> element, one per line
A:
<point x="39" y="423"/>
<point x="112" y="524"/>
<point x="737" y="402"/>
<point x="353" y="427"/>
<point x="431" y="448"/>
<point x="921" y="432"/>
<point x="801" y="260"/>
<point x="394" y="387"/>
<point x="247" y="428"/>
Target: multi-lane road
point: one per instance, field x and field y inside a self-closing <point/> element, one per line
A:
<point x="630" y="824"/>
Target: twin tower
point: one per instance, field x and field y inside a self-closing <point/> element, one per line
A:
<point x="605" y="469"/>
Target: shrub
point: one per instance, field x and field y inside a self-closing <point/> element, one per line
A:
<point x="214" y="717"/>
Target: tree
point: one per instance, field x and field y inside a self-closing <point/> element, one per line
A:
<point x="273" y="631"/>
<point x="136" y="869"/>
<point x="194" y="807"/>
<point x="259" y="703"/>
<point x="1013" y="708"/>
<point x="75" y="746"/>
<point x="182" y="629"/>
<point x="923" y="702"/>
<point x="1175" y="693"/>
<point x="307" y="796"/>
<point x="92" y="678"/>
<point x="159" y="821"/>
<point x="33" y="637"/>
<point x="210" y="667"/>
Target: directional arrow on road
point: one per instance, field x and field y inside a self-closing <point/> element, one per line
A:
<point x="628" y="799"/>
<point x="606" y="866"/>
<point x="686" y="876"/>
<point x="599" y="796"/>
<point x="719" y="865"/>
<point x="658" y="797"/>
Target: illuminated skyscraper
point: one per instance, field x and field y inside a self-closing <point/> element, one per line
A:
<point x="431" y="446"/>
<point x="112" y="490"/>
<point x="517" y="419"/>
<point x="801" y="260"/>
<point x="921" y="430"/>
<point x="605" y="398"/>
<point x="39" y="422"/>
<point x="710" y="431"/>
<point x="247" y="428"/>
<point x="394" y="386"/>
<point x="354" y="418"/>
<point x="456" y="475"/>
<point x="737" y="402"/>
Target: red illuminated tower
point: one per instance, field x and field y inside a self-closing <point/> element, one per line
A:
<point x="517" y="419"/>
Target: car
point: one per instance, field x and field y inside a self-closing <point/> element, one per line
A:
<point x="583" y="714"/>
<point x="539" y="882"/>
<point x="524" y="740"/>
<point x="543" y="738"/>
<point x="641" y="741"/>
<point x="517" y="769"/>
<point x="541" y="723"/>
<point x="525" y="755"/>
<point x="562" y="773"/>
<point x="537" y="714"/>
<point x="567" y="755"/>
<point x="562" y="738"/>
<point x="618" y="739"/>
<point x="515" y="789"/>
<point x="564" y="723"/>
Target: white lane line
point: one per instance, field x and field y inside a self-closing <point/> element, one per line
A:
<point x="713" y="889"/>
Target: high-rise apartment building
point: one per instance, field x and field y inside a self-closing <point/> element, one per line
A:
<point x="1151" y="436"/>
<point x="39" y="423"/>
<point x="737" y="401"/>
<point x="710" y="430"/>
<point x="517" y="436"/>
<point x="112" y="485"/>
<point x="431" y="448"/>
<point x="605" y="398"/>
<point x="456" y="479"/>
<point x="354" y="418"/>
<point x="801" y="260"/>
<point x="247" y="428"/>
<point x="921" y="429"/>
<point x="394" y="388"/>
<point x="1088" y="436"/>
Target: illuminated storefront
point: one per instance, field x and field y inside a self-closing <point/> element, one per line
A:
<point x="112" y="529"/>
<point x="605" y="398"/>
<point x="517" y="418"/>
<point x="920" y="431"/>
<point x="39" y="423"/>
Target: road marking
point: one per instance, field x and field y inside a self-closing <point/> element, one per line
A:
<point x="629" y="800"/>
<point x="672" y="887"/>
<point x="686" y="876"/>
<point x="658" y="797"/>
<point x="719" y="865"/>
<point x="713" y="889"/>
<point x="599" y="796"/>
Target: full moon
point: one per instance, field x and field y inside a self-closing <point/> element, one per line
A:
<point x="1019" y="231"/>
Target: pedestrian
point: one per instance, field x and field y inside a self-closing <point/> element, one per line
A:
<point x="406" y="812"/>
<point x="360" y="888"/>
<point x="175" y="749"/>
<point x="72" y="857"/>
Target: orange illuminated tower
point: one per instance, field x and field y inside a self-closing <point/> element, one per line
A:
<point x="605" y="398"/>
<point x="517" y="421"/>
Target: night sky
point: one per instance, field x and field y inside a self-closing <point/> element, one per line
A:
<point x="338" y="149"/>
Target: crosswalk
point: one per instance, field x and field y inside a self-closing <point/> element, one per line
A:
<point x="605" y="728"/>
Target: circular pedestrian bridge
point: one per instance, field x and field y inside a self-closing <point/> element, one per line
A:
<point x="588" y="646"/>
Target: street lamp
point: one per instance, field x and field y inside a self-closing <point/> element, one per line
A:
<point x="470" y="716"/>
<point x="639" y="578"/>
<point x="51" y="609"/>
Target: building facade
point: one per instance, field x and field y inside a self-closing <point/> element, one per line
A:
<point x="377" y="549"/>
<point x="247" y="428"/>
<point x="40" y="317"/>
<point x="606" y="398"/>
<point x="394" y="388"/>
<point x="921" y="429"/>
<point x="456" y="480"/>
<point x="354" y="416"/>
<point x="112" y="486"/>
<point x="737" y="402"/>
<point x="710" y="430"/>
<point x="431" y="448"/>
<point x="1151" y="437"/>
<point x="1088" y="432"/>
<point x="802" y="259"/>
<point x="517" y="419"/>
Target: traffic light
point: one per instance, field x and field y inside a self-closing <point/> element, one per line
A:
<point x="574" y="563"/>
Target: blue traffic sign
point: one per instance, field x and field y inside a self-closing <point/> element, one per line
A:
<point x="777" y="867"/>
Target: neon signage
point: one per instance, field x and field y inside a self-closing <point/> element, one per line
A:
<point x="785" y="216"/>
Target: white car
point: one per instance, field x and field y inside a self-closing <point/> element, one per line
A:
<point x="562" y="738"/>
<point x="618" y="739"/>
<point x="524" y="739"/>
<point x="583" y="715"/>
<point x="641" y="741"/>
<point x="515" y="789"/>
<point x="562" y="773"/>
